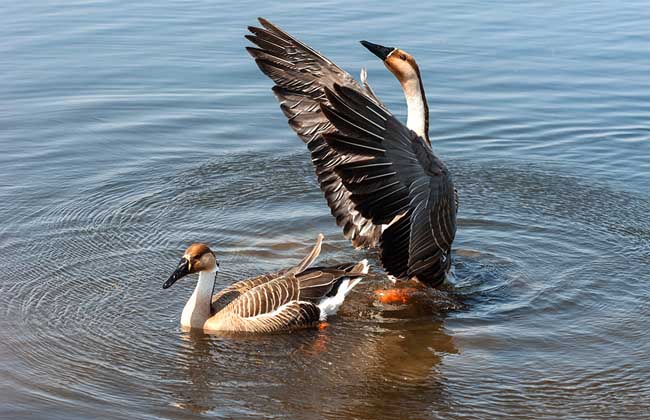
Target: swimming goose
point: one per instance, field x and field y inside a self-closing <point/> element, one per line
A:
<point x="382" y="182"/>
<point x="292" y="298"/>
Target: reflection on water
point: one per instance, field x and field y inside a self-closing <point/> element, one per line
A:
<point x="131" y="130"/>
<point x="392" y="364"/>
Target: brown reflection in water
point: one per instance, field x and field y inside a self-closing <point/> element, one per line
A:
<point x="400" y="372"/>
<point x="371" y="361"/>
<point x="352" y="368"/>
<point x="197" y="397"/>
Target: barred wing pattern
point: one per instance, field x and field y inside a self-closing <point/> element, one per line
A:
<point x="286" y="302"/>
<point x="301" y="75"/>
<point x="232" y="292"/>
<point x="400" y="182"/>
<point x="272" y="306"/>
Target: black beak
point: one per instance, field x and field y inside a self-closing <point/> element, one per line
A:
<point x="378" y="50"/>
<point x="182" y="270"/>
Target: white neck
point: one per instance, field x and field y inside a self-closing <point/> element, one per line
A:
<point x="417" y="108"/>
<point x="198" y="308"/>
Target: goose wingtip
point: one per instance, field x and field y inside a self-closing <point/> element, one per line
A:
<point x="264" y="22"/>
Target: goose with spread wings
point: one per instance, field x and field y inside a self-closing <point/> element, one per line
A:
<point x="381" y="180"/>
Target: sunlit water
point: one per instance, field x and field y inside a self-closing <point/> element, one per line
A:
<point x="128" y="131"/>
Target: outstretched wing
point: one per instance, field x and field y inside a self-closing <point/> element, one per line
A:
<point x="301" y="76"/>
<point x="399" y="182"/>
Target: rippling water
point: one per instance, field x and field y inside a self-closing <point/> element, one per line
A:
<point x="129" y="131"/>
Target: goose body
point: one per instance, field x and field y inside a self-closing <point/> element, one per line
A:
<point x="381" y="180"/>
<point x="292" y="298"/>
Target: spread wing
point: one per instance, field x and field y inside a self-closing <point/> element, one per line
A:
<point x="301" y="76"/>
<point x="399" y="182"/>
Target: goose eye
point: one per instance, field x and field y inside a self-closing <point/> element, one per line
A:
<point x="402" y="56"/>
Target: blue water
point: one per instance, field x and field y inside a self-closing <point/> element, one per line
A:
<point x="130" y="130"/>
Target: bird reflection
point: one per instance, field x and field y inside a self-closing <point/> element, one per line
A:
<point x="198" y="398"/>
<point x="400" y="367"/>
<point x="369" y="366"/>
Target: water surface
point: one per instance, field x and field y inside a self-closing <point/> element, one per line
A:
<point x="129" y="131"/>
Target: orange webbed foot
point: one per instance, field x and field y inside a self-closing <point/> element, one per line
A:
<point x="395" y="296"/>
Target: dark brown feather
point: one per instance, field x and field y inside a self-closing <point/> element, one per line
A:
<point x="405" y="181"/>
<point x="301" y="74"/>
<point x="319" y="282"/>
<point x="371" y="168"/>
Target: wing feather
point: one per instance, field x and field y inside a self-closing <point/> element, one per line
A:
<point x="272" y="306"/>
<point x="301" y="74"/>
<point x="372" y="169"/>
<point x="320" y="282"/>
<point x="405" y="186"/>
<point x="224" y="297"/>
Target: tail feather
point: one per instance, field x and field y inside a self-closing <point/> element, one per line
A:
<point x="309" y="258"/>
<point x="331" y="304"/>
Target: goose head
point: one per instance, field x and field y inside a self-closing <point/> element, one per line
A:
<point x="398" y="62"/>
<point x="197" y="258"/>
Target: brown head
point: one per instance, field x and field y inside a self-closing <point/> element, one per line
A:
<point x="398" y="62"/>
<point x="406" y="70"/>
<point x="198" y="257"/>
